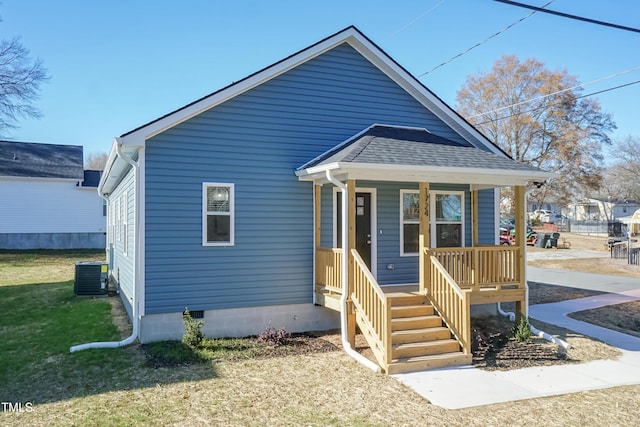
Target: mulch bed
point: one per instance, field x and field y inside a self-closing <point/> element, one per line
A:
<point x="493" y="349"/>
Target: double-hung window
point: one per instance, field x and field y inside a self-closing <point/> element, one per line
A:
<point x="218" y="214"/>
<point x="409" y="222"/>
<point x="447" y="219"/>
<point x="125" y="221"/>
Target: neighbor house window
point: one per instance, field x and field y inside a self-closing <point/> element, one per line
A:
<point x="447" y="219"/>
<point x="217" y="214"/>
<point x="409" y="222"/>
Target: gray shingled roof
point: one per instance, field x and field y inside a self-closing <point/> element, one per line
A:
<point x="91" y="178"/>
<point x="388" y="145"/>
<point x="24" y="159"/>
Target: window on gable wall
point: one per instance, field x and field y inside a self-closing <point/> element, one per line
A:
<point x="110" y="222"/>
<point x="117" y="209"/>
<point x="125" y="221"/>
<point x="218" y="214"/>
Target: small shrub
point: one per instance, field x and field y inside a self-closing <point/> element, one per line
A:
<point x="273" y="336"/>
<point x="521" y="330"/>
<point x="192" y="336"/>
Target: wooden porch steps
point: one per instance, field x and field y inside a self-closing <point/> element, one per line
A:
<point x="419" y="339"/>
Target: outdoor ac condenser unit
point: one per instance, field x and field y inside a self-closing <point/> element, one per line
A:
<point x="91" y="278"/>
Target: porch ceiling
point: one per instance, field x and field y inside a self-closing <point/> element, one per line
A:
<point x="386" y="153"/>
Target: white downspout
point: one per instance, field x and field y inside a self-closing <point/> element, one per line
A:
<point x="512" y="316"/>
<point x="136" y="298"/>
<point x="345" y="278"/>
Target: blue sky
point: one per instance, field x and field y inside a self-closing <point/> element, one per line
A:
<point x="118" y="64"/>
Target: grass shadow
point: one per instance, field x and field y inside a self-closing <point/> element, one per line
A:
<point x="38" y="325"/>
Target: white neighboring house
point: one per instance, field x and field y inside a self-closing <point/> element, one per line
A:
<point x="47" y="200"/>
<point x="603" y="210"/>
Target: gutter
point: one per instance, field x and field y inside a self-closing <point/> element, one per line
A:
<point x="345" y="277"/>
<point x="136" y="298"/>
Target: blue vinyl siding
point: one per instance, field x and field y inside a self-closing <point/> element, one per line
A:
<point x="256" y="141"/>
<point x="486" y="217"/>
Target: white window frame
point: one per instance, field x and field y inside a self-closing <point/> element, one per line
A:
<point x="231" y="213"/>
<point x="125" y="222"/>
<point x="434" y="219"/>
<point x="118" y="219"/>
<point x="403" y="222"/>
<point x="110" y="222"/>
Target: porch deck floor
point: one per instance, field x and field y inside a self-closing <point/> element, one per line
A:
<point x="401" y="290"/>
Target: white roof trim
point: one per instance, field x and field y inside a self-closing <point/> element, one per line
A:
<point x="478" y="177"/>
<point x="360" y="43"/>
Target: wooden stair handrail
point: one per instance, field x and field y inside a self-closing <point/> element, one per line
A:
<point x="373" y="311"/>
<point x="452" y="303"/>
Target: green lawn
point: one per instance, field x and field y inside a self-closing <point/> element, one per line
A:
<point x="40" y="318"/>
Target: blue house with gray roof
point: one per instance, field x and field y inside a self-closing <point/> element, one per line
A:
<point x="330" y="189"/>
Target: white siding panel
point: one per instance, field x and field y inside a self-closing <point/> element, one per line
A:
<point x="49" y="206"/>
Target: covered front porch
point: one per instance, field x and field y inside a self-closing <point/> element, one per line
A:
<point x="403" y="323"/>
<point x="426" y="322"/>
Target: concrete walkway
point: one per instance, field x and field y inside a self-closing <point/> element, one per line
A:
<point x="456" y="388"/>
<point x="575" y="279"/>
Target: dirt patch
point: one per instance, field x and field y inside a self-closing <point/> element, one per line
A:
<point x="174" y="353"/>
<point x="615" y="267"/>
<point x="119" y="316"/>
<point x="623" y="317"/>
<point x="588" y="254"/>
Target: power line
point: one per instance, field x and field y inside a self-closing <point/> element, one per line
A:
<point x="556" y="103"/>
<point x="482" y="42"/>
<point x="558" y="92"/>
<point x="418" y="18"/>
<point x="567" y="15"/>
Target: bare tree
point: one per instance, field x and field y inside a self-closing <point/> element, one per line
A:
<point x="20" y="79"/>
<point x="538" y="117"/>
<point x="96" y="161"/>
<point x="622" y="178"/>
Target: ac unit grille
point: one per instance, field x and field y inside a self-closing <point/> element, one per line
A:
<point x="90" y="278"/>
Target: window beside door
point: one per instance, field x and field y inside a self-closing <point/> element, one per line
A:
<point x="447" y="227"/>
<point x="409" y="222"/>
<point x="447" y="220"/>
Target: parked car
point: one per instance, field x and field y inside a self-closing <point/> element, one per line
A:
<point x="505" y="240"/>
<point x="539" y="214"/>
<point x="554" y="218"/>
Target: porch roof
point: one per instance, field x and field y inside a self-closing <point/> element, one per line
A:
<point x="392" y="153"/>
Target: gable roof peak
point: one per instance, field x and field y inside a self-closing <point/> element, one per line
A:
<point x="357" y="40"/>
